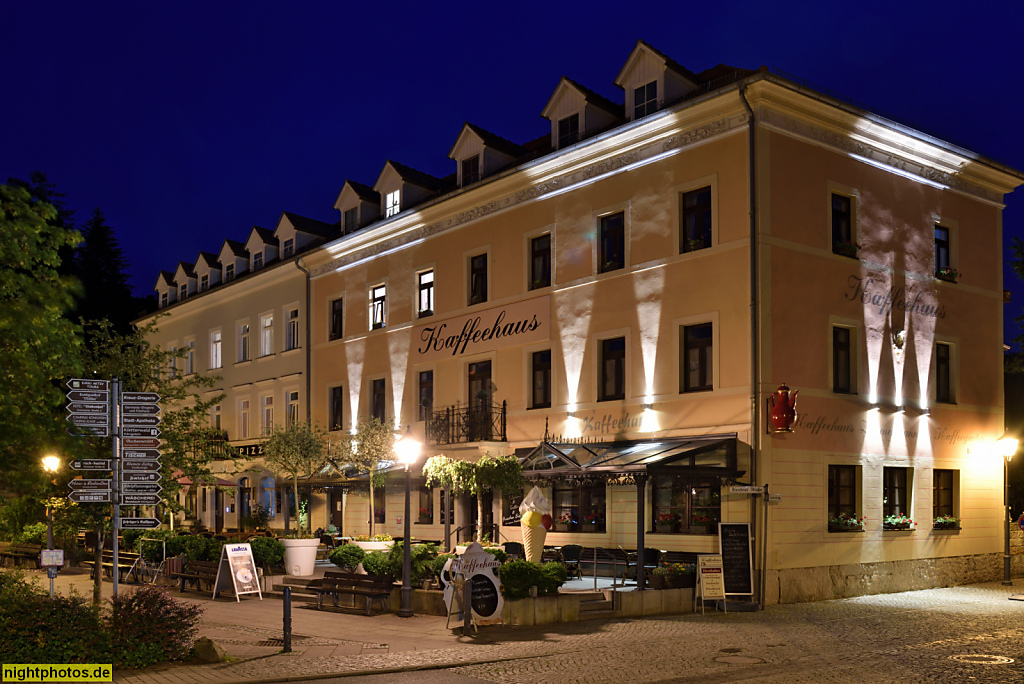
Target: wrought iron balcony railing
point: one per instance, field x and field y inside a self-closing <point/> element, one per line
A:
<point x="460" y="424"/>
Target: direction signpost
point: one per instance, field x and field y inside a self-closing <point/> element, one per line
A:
<point x="138" y="523"/>
<point x="134" y="454"/>
<point x="139" y="431"/>
<point x="139" y="499"/>
<point x="140" y="466"/>
<point x="90" y="497"/>
<point x="140" y="488"/>
<point x="91" y="464"/>
<point x="90" y="485"/>
<point x="141" y="442"/>
<point x="140" y="477"/>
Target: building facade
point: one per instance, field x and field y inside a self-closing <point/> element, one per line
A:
<point x="616" y="301"/>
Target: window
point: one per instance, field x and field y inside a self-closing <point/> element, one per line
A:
<point x="540" y="262"/>
<point x="257" y="261"/>
<point x="426" y="505"/>
<point x="943" y="484"/>
<point x="267" y="488"/>
<point x="426" y="394"/>
<point x="568" y="130"/>
<point x="392" y="203"/>
<point x="215" y="349"/>
<point x="613" y="369"/>
<point x="337" y="408"/>
<point x="425" y="283"/>
<point x="698" y="352"/>
<point x="204" y="283"/>
<point x="266" y="334"/>
<point x="291" y="333"/>
<point x="943" y="373"/>
<point x="377" y="399"/>
<point x="444" y="507"/>
<point x="172" y="362"/>
<point x="478" y="279"/>
<point x="288" y="248"/>
<point x="378" y="301"/>
<point x="163" y="299"/>
<point x="471" y="170"/>
<point x="243" y="342"/>
<point x="686" y="506"/>
<point x="842" y="363"/>
<point x="215" y="417"/>
<point x="645" y="100"/>
<point x="842" y="226"/>
<point x="229" y="272"/>
<point x="696" y="218"/>
<point x="943" y="268"/>
<point x="243" y="419"/>
<point x="541" y="379"/>
<point x="842" y="491"/>
<point x="578" y="508"/>
<point x="613" y="243"/>
<point x="183" y="293"/>
<point x="267" y="414"/>
<point x="379" y="514"/>
<point x="337" y="319"/>
<point x="190" y="357"/>
<point x="895" y="494"/>
<point x="351" y="220"/>
<point x="292" y="407"/>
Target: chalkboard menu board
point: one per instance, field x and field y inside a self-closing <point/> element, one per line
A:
<point x="510" y="511"/>
<point x="484" y="597"/>
<point x="734" y="544"/>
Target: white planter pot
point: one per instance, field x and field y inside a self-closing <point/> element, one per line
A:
<point x="300" y="556"/>
<point x="374" y="545"/>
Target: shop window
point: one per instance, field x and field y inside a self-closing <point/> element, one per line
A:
<point x="613" y="369"/>
<point x="695" y="233"/>
<point x="842" y="491"/>
<point x="541" y="379"/>
<point x="540" y="262"/>
<point x="612" y="232"/>
<point x="267" y="491"/>
<point x="944" y="492"/>
<point x="426" y="505"/>
<point x="579" y="508"/>
<point x="895" y="492"/>
<point x="191" y="500"/>
<point x="337" y="408"/>
<point x="426" y="407"/>
<point x="444" y="507"/>
<point x="698" y="353"/>
<point x="685" y="506"/>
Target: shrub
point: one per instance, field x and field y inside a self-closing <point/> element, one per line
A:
<point x="148" y="626"/>
<point x="518" y="576"/>
<point x="152" y="552"/>
<point x="267" y="551"/>
<point x="377" y="563"/>
<point x="437" y="565"/>
<point x="194" y="548"/>
<point x="33" y="533"/>
<point x="553" y="575"/>
<point x="498" y="553"/>
<point x="130" y="539"/>
<point x="347" y="556"/>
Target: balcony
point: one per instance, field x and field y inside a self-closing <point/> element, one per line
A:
<point x="462" y="424"/>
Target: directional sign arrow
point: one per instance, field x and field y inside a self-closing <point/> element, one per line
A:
<point x="140" y="420"/>
<point x="140" y="499"/>
<point x="141" y="487"/>
<point x="140" y="409"/>
<point x="88" y="395"/>
<point x="101" y="420"/>
<point x="95" y="431"/>
<point x="88" y="384"/>
<point x="140" y="442"/>
<point x="131" y="478"/>
<point x="135" y="454"/>
<point x="91" y="464"/>
<point x="90" y="485"/>
<point x="136" y="431"/>
<point x="140" y="466"/>
<point x="88" y="407"/>
<point x="138" y="523"/>
<point x="90" y="497"/>
<point x="139" y="397"/>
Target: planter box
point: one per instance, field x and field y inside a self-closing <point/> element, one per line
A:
<point x="657" y="581"/>
<point x="560" y="527"/>
<point x="374" y="545"/>
<point x="300" y="556"/>
<point x="946" y="526"/>
<point x="902" y="526"/>
<point x="663" y="528"/>
<point x="843" y="528"/>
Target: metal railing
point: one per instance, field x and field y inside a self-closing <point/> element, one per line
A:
<point x="461" y="424"/>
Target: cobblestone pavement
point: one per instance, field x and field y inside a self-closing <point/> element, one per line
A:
<point x="906" y="637"/>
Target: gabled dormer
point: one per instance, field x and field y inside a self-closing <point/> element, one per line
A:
<point x="262" y="247"/>
<point x="402" y="187"/>
<point x="185" y="280"/>
<point x="576" y="112"/>
<point x="207" y="270"/>
<point x="166" y="292"/>
<point x="480" y="153"/>
<point x="359" y="206"/>
<point x="234" y="260"/>
<point x="294" y="233"/>
<point x="650" y="80"/>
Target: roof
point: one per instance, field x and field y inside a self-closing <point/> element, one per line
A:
<point x="311" y="226"/>
<point x="166" y="276"/>
<point x="265" y="234"/>
<point x="188" y="268"/>
<point x="210" y="259"/>
<point x="590" y="96"/>
<point x="364" y="192"/>
<point x="411" y="175"/>
<point x="237" y="248"/>
<point x="495" y="142"/>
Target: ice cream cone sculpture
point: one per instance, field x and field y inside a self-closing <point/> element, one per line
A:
<point x="533" y="536"/>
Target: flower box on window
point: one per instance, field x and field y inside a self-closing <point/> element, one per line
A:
<point x="946" y="522"/>
<point x="846" y="249"/>
<point x="845" y="523"/>
<point x="897" y="522"/>
<point x="950" y="275"/>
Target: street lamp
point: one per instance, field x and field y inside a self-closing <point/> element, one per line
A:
<point x="1007" y="448"/>
<point x="51" y="464"/>
<point x="408" y="450"/>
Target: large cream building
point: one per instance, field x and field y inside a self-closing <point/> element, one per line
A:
<point x="615" y="303"/>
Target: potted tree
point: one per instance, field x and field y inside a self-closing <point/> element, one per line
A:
<point x="373" y="443"/>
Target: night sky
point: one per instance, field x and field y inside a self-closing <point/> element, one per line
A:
<point x="188" y="123"/>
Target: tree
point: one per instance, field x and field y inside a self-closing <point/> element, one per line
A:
<point x="101" y="267"/>
<point x="369" y="449"/>
<point x="297" y="450"/>
<point x="38" y="344"/>
<point x="503" y="473"/>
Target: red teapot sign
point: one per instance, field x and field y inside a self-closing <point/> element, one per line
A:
<point x="782" y="410"/>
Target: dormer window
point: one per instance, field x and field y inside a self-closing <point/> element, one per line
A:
<point x="288" y="248"/>
<point x="351" y="220"/>
<point x="392" y="203"/>
<point x="257" y="260"/>
<point x="645" y="100"/>
<point x="183" y="291"/>
<point x="470" y="170"/>
<point x="568" y="130"/>
<point x="204" y="283"/>
<point x="163" y="299"/>
<point x="229" y="272"/>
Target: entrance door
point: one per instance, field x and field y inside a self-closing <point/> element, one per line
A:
<point x="337" y="508"/>
<point x="479" y="415"/>
<point x="218" y="510"/>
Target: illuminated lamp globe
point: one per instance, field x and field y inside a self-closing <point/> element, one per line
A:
<point x="1007" y="446"/>
<point x="51" y="464"/>
<point x="407" y="449"/>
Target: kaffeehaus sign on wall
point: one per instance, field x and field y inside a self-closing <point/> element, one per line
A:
<point x="503" y="326"/>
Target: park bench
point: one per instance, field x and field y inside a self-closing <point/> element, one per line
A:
<point x="127" y="563"/>
<point x="371" y="587"/>
<point x="20" y="552"/>
<point x="196" y="572"/>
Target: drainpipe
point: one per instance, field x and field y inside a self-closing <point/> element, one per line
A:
<point x="309" y="343"/>
<point x="755" y="367"/>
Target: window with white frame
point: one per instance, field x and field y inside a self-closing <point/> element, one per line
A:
<point x="266" y="334"/>
<point x="243" y="342"/>
<point x="292" y="407"/>
<point x="204" y="283"/>
<point x="478" y="279"/>
<point x="257" y="261"/>
<point x="229" y="273"/>
<point x="215" y="349"/>
<point x="190" y="357"/>
<point x="378" y="406"/>
<point x="291" y="333"/>
<point x="540" y="261"/>
<point x="695" y="212"/>
<point x="288" y="248"/>
<point x="425" y="289"/>
<point x="267" y="413"/>
<point x="697" y="346"/>
<point x="392" y="203"/>
<point x="612" y="376"/>
<point x="896" y="483"/>
<point x="378" y="307"/>
<point x="243" y="419"/>
<point x="351" y="220"/>
<point x="183" y="291"/>
<point x="568" y="130"/>
<point x="645" y="100"/>
<point x="163" y="299"/>
<point x="612" y="233"/>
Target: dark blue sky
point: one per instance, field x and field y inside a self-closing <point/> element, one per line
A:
<point x="190" y="122"/>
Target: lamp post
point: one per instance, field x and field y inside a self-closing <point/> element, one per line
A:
<point x="408" y="450"/>
<point x="1007" y="448"/>
<point x="51" y="464"/>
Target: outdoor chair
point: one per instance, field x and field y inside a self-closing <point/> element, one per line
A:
<point x="571" y="558"/>
<point x="514" y="549"/>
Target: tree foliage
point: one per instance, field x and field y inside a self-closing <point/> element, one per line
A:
<point x="371" y="449"/>
<point x="101" y="267"/>
<point x="503" y="473"/>
<point x="296" y="450"/>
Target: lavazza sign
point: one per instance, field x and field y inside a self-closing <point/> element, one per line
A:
<point x="505" y="326"/>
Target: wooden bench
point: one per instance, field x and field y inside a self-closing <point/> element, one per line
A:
<point x="127" y="563"/>
<point x="336" y="583"/>
<point x="198" y="571"/>
<point x="19" y="552"/>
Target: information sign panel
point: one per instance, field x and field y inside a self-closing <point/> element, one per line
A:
<point x="140" y="420"/>
<point x="88" y="407"/>
<point x="140" y="409"/>
<point x="140" y="442"/>
<point x="79" y="383"/>
<point x="88" y="395"/>
<point x="140" y="499"/>
<point x="136" y="454"/>
<point x="92" y="464"/>
<point x="139" y="397"/>
<point x="481" y="570"/>
<point x="138" y="523"/>
<point x="139" y="431"/>
<point x="236" y="560"/>
<point x="89" y="485"/>
<point x="734" y="545"/>
<point x="51" y="557"/>
<point x="140" y="466"/>
<point x="140" y="488"/>
<point x="710" y="576"/>
<point x="90" y="497"/>
<point x="140" y="477"/>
